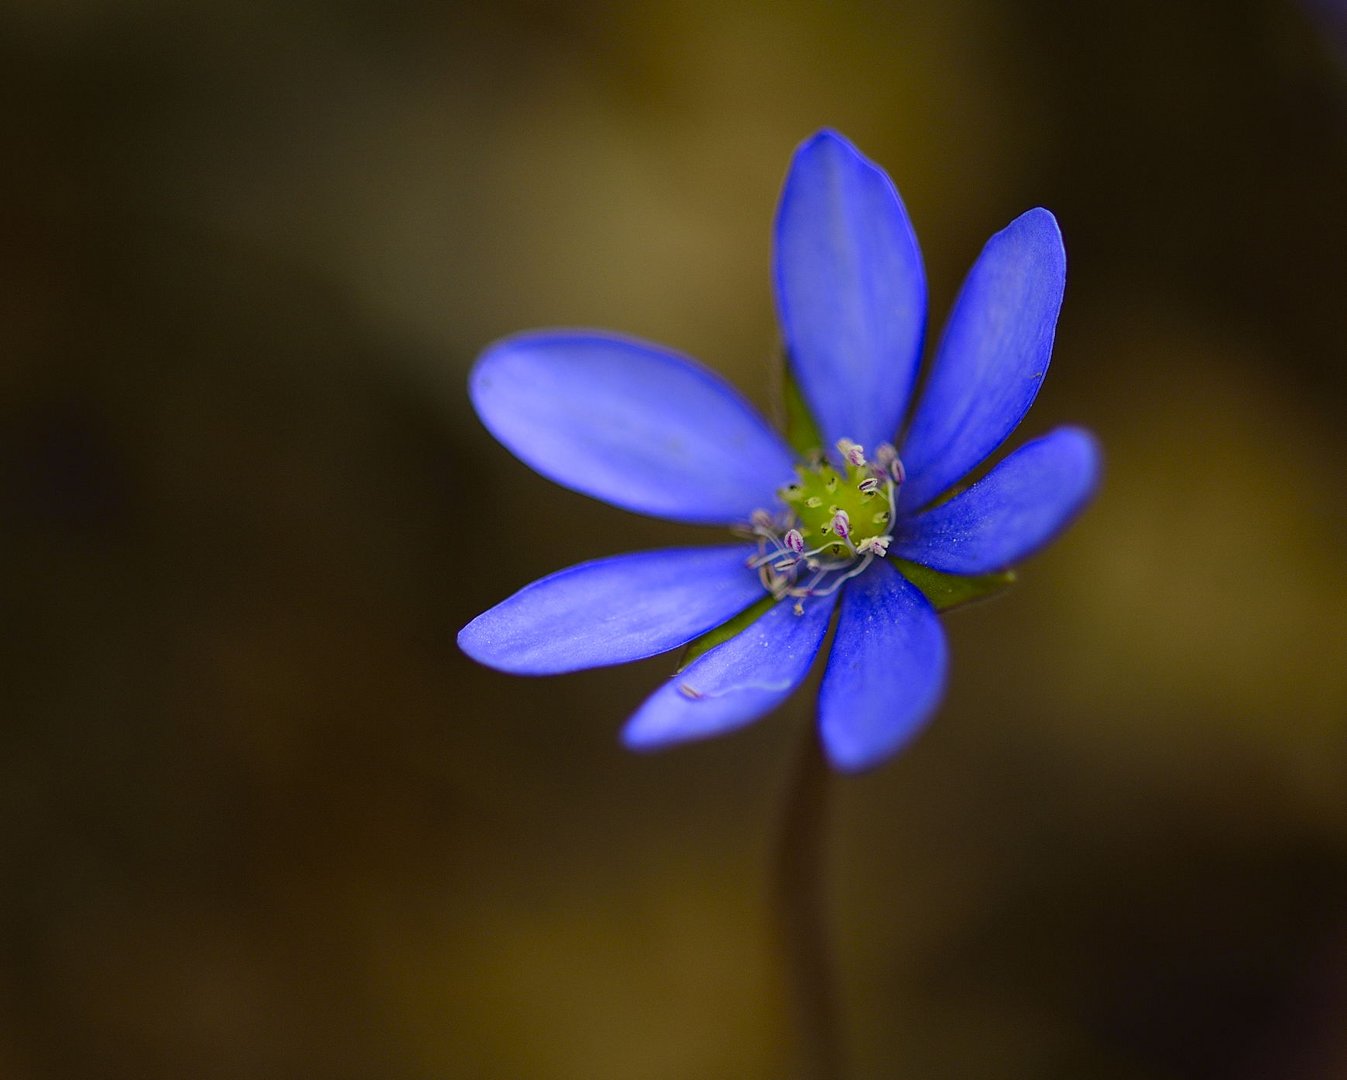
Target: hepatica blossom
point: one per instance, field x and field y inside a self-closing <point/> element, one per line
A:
<point x="858" y="513"/>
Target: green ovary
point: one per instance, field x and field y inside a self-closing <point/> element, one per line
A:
<point x="823" y="490"/>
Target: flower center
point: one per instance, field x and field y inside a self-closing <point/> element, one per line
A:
<point x="835" y="522"/>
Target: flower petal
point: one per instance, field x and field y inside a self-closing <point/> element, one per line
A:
<point x="631" y="423"/>
<point x="850" y="290"/>
<point x="613" y="610"/>
<point x="992" y="358"/>
<point x="736" y="682"/>
<point x="1011" y="512"/>
<point x="886" y="671"/>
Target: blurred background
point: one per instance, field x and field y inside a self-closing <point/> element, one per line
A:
<point x="258" y="816"/>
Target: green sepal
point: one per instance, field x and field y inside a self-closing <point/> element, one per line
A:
<point x="946" y="591"/>
<point x="722" y="633"/>
<point x="801" y="431"/>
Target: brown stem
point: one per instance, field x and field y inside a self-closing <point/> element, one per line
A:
<point x="801" y="910"/>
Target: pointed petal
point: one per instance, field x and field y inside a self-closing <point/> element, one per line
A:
<point x="631" y="423"/>
<point x="886" y="671"/>
<point x="1011" y="512"/>
<point x="610" y="611"/>
<point x="736" y="682"/>
<point x="850" y="291"/>
<point x="992" y="358"/>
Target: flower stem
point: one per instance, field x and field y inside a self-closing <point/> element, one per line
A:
<point x="801" y="916"/>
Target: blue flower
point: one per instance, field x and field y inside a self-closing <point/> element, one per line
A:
<point x="649" y="430"/>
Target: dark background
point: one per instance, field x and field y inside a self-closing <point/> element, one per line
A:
<point x="258" y="816"/>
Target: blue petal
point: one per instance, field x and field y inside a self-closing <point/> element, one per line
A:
<point x="850" y="291"/>
<point x="631" y="423"/>
<point x="886" y="672"/>
<point x="992" y="358"/>
<point x="1011" y="512"/>
<point x="734" y="683"/>
<point x="613" y="610"/>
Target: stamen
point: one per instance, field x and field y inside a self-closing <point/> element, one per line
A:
<point x="763" y="558"/>
<point x="827" y="531"/>
<point x="777" y="585"/>
<point x="808" y="590"/>
<point x="815" y="564"/>
<point x="852" y="452"/>
<point x="859" y="568"/>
